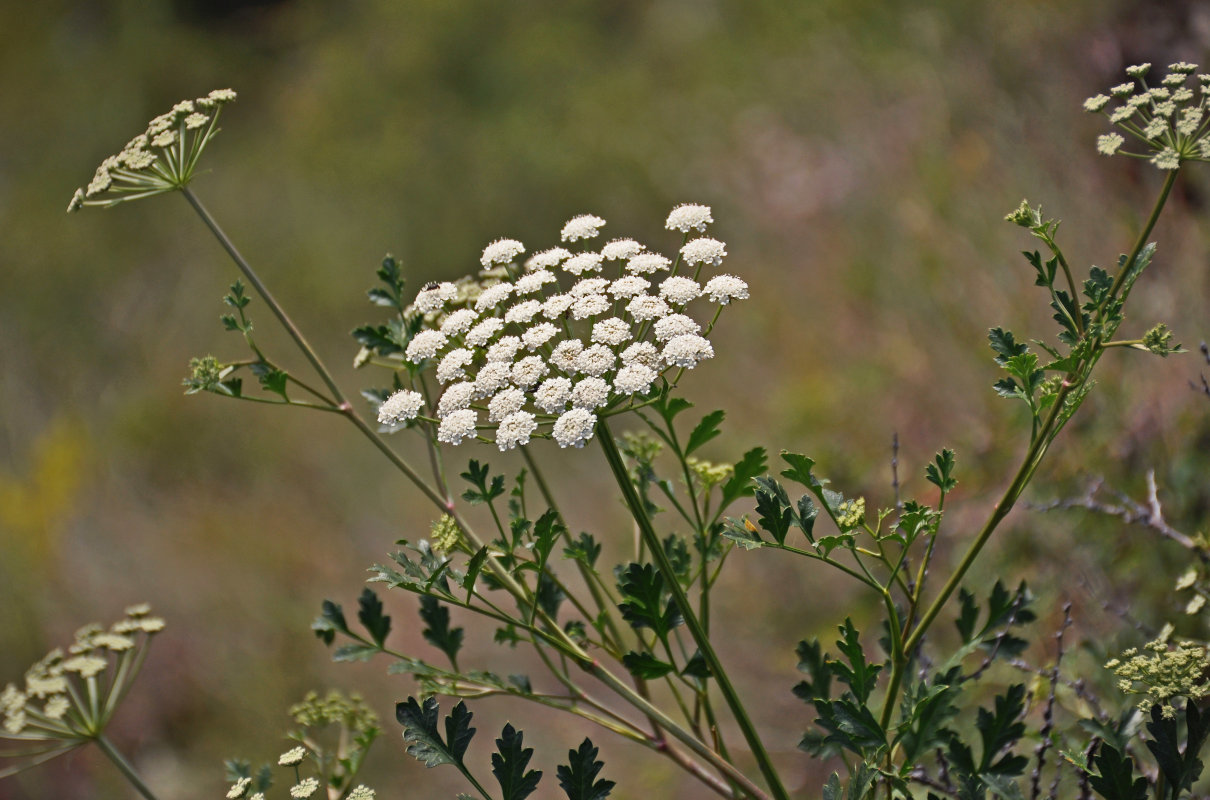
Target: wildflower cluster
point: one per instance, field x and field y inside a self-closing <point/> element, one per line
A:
<point x="1168" y="121"/>
<point x="541" y="361"/>
<point x="335" y="765"/>
<point x="1162" y="673"/>
<point x="69" y="696"/>
<point x="161" y="159"/>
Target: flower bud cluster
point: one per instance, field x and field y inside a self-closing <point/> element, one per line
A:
<point x="543" y="348"/>
<point x="1162" y="673"/>
<point x="1166" y="124"/>
<point x="59" y="699"/>
<point x="160" y="159"/>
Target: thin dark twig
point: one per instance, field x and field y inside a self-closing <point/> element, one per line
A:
<point x="1149" y="514"/>
<point x="1085" y="787"/>
<point x="944" y="769"/>
<point x="1048" y="717"/>
<point x="920" y="776"/>
<point x="895" y="468"/>
<point x="1205" y="387"/>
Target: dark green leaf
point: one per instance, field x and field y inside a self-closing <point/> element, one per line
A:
<point x="481" y="492"/>
<point x="814" y="664"/>
<point x="439" y="633"/>
<point x="705" y="430"/>
<point x="509" y="764"/>
<point x="773" y="506"/>
<point x="850" y="725"/>
<point x="369" y="611"/>
<point x="1116" y="780"/>
<point x="473" y="568"/>
<point x="941" y="472"/>
<point x="697" y="667"/>
<point x="1004" y="345"/>
<point x="331" y="620"/>
<point x="578" y="778"/>
<point x="642" y="587"/>
<point x="549" y="595"/>
<point x="1180" y="768"/>
<point x="584" y="549"/>
<point x="547" y="531"/>
<point x="800" y="470"/>
<point x="743" y="533"/>
<point x="646" y="666"/>
<point x="1000" y="729"/>
<point x="925" y="710"/>
<point x="858" y="674"/>
<point x="379" y="338"/>
<point x="423" y="738"/>
<point x="739" y="484"/>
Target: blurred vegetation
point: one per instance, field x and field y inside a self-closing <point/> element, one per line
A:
<point x="859" y="157"/>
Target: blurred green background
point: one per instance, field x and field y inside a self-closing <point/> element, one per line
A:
<point x="859" y="156"/>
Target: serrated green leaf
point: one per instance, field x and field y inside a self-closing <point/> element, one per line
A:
<point x="860" y="675"/>
<point x="924" y="711"/>
<point x="369" y="612"/>
<point x="584" y="549"/>
<point x="753" y="463"/>
<point x="509" y="764"/>
<point x="1116" y="780"/>
<point x="850" y="725"/>
<point x="774" y="509"/>
<point x="439" y="633"/>
<point x="800" y="470"/>
<point x="814" y="664"/>
<point x="999" y="729"/>
<point x="424" y="740"/>
<point x="1004" y="345"/>
<point x="331" y="620"/>
<point x="743" y="533"/>
<point x="473" y="568"/>
<point x="941" y="472"/>
<point x="642" y="587"/>
<point x="578" y="779"/>
<point x="704" y="431"/>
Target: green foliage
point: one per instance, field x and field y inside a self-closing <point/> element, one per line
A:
<point x="438" y="632"/>
<point x="999" y="730"/>
<point x="481" y="491"/>
<point x="1179" y="766"/>
<point x="646" y="602"/>
<point x="1114" y="779"/>
<point x="424" y="739"/>
<point x="1004" y="610"/>
<point x="578" y="778"/>
<point x="509" y="764"/>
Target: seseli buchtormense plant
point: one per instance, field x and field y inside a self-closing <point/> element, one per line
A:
<point x="556" y="344"/>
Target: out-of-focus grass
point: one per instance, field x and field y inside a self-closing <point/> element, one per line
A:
<point x="859" y="157"/>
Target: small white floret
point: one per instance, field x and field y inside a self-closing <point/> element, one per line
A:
<point x="704" y="251"/>
<point x="515" y="429"/>
<point x="400" y="407"/>
<point x="689" y="216"/>
<point x="621" y="249"/>
<point x="501" y="251"/>
<point x="585" y="226"/>
<point x="722" y="289"/>
<point x="457" y="425"/>
<point x="425" y="344"/>
<point x="574" y="428"/>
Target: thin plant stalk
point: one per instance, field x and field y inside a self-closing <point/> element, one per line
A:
<point x="1029" y="465"/>
<point x="652" y="540"/>
<point x="124" y="767"/>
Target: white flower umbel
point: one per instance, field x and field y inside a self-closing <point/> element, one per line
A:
<point x="400" y="407"/>
<point x="1163" y="124"/>
<point x="501" y="251"/>
<point x="68" y="697"/>
<point x="689" y="216"/>
<point x="585" y="226"/>
<point x="162" y="159"/>
<point x="528" y="352"/>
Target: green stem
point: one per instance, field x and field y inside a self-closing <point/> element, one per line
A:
<point x="260" y="287"/>
<point x="652" y="539"/>
<point x="124" y="767"/>
<point x="1033" y="456"/>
